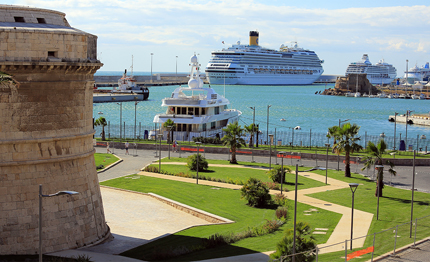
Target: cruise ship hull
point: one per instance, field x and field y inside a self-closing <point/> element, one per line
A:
<point x="262" y="80"/>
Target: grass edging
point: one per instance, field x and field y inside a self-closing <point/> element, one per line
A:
<point x="211" y="218"/>
<point x="111" y="165"/>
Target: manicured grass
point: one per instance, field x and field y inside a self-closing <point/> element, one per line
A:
<point x="239" y="175"/>
<point x="225" y="203"/>
<point x="394" y="209"/>
<point x="105" y="159"/>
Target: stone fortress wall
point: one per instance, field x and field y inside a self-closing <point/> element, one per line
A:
<point x="46" y="104"/>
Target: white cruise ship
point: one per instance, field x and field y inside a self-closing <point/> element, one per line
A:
<point x="196" y="110"/>
<point x="380" y="73"/>
<point x="416" y="73"/>
<point x="255" y="65"/>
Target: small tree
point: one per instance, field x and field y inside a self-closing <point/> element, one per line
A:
<point x="276" y="172"/>
<point x="255" y="192"/>
<point x="169" y="122"/>
<point x="101" y="121"/>
<point x="192" y="163"/>
<point x="304" y="242"/>
<point x="251" y="129"/>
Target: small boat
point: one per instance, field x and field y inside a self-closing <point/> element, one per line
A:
<point x="100" y="113"/>
<point x="349" y="94"/>
<point x="357" y="94"/>
<point x="297" y="128"/>
<point x="283" y="119"/>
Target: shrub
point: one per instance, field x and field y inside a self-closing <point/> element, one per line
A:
<point x="208" y="140"/>
<point x="255" y="192"/>
<point x="273" y="185"/>
<point x="275" y="173"/>
<point x="280" y="200"/>
<point x="100" y="167"/>
<point x="152" y="169"/>
<point x="192" y="163"/>
<point x="282" y="212"/>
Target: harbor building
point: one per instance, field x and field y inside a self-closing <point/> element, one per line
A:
<point x="46" y="133"/>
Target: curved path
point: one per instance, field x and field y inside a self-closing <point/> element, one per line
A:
<point x="336" y="242"/>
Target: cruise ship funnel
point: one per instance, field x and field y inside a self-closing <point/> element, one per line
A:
<point x="253" y="38"/>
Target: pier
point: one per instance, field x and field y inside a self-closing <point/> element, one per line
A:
<point x="416" y="119"/>
<point x="147" y="80"/>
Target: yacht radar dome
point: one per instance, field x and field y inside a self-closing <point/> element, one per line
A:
<point x="194" y="59"/>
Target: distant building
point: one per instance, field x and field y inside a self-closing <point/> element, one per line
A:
<point x="46" y="85"/>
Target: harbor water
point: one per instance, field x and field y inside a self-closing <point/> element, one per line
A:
<point x="298" y="105"/>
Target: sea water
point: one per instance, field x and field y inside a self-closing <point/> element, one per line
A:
<point x="298" y="105"/>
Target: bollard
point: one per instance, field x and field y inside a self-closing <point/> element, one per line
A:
<point x="374" y="236"/>
<point x="395" y="241"/>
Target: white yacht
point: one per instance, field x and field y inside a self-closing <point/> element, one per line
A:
<point x="418" y="73"/>
<point x="196" y="110"/>
<point x="255" y="65"/>
<point x="128" y="84"/>
<point x="381" y="73"/>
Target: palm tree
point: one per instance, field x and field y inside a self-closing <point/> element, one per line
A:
<point x="233" y="139"/>
<point x="251" y="129"/>
<point x="101" y="121"/>
<point x="346" y="142"/>
<point x="170" y="126"/>
<point x="374" y="157"/>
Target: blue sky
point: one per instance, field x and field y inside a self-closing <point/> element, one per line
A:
<point x="340" y="32"/>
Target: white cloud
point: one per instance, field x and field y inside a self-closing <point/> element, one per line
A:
<point x="172" y="27"/>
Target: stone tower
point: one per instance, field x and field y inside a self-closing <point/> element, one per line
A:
<point x="46" y="85"/>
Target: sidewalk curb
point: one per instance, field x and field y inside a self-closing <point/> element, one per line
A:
<point x="111" y="165"/>
<point x="402" y="249"/>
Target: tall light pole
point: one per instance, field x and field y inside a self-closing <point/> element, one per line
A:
<point x="353" y="187"/>
<point x="295" y="212"/>
<point x="198" y="151"/>
<point x="120" y="121"/>
<point x="326" y="162"/>
<point x="176" y="76"/>
<point x="270" y="155"/>
<point x="135" y="105"/>
<point x="413" y="191"/>
<point x="151" y="66"/>
<point x="282" y="169"/>
<point x="252" y="136"/>
<point x="395" y="122"/>
<point x="41" y="195"/>
<point x="406" y="135"/>
<point x="267" y="129"/>
<point x="160" y="136"/>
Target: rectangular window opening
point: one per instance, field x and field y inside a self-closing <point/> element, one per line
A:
<point x="19" y="19"/>
<point x="52" y="54"/>
<point x="41" y="20"/>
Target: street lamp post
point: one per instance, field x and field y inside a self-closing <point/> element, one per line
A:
<point x="252" y="136"/>
<point x="377" y="193"/>
<point x="326" y="162"/>
<point x="267" y="129"/>
<point x="270" y="152"/>
<point x="282" y="169"/>
<point x="170" y="128"/>
<point x="151" y="66"/>
<point x="120" y="121"/>
<point x="176" y="76"/>
<point x="41" y="195"/>
<point x="413" y="191"/>
<point x="198" y="151"/>
<point x="406" y="133"/>
<point x="353" y="187"/>
<point x="295" y="212"/>
<point x="135" y="105"/>
<point x="160" y="136"/>
<point x="395" y="122"/>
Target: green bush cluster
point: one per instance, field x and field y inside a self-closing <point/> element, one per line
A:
<point x="256" y="193"/>
<point x="282" y="212"/>
<point x="276" y="173"/>
<point x="100" y="167"/>
<point x="273" y="185"/>
<point x="192" y="163"/>
<point x="280" y="200"/>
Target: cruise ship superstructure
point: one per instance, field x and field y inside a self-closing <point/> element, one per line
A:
<point x="418" y="73"/>
<point x="255" y="65"/>
<point x="379" y="74"/>
<point x="196" y="110"/>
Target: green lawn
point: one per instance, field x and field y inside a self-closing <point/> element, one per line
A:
<point x="237" y="174"/>
<point x="225" y="203"/>
<point x="105" y="159"/>
<point x="394" y="209"/>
